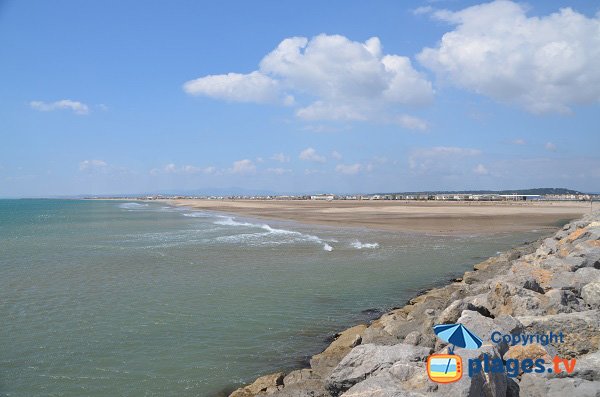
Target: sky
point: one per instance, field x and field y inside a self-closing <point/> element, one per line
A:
<point x="124" y="97"/>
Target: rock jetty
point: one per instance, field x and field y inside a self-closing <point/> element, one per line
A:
<point x="552" y="285"/>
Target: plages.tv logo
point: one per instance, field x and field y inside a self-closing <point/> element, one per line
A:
<point x="448" y="368"/>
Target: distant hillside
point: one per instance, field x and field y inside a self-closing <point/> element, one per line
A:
<point x="540" y="191"/>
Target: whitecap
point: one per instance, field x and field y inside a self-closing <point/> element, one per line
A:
<point x="358" y="245"/>
<point x="296" y="236"/>
<point x="197" y="214"/>
<point x="132" y="206"/>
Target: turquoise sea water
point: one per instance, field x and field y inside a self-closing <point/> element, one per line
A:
<point x="105" y="298"/>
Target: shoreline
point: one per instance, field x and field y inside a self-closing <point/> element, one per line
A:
<point x="401" y="216"/>
<point x="409" y="327"/>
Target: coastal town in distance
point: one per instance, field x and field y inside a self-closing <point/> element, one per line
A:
<point x="540" y="194"/>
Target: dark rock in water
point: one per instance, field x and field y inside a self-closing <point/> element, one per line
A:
<point x="372" y="311"/>
<point x="303" y="361"/>
<point x="369" y="315"/>
<point x="330" y="338"/>
<point x="225" y="391"/>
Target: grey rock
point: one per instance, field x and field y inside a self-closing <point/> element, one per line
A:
<point x="532" y="385"/>
<point x="580" y="330"/>
<point x="533" y="285"/>
<point x="563" y="301"/>
<point x="382" y="385"/>
<point x="413" y="338"/>
<point x="366" y="360"/>
<point x="549" y="246"/>
<point x="484" y="326"/>
<point x="591" y="294"/>
<point x="587" y="367"/>
<point x="591" y="257"/>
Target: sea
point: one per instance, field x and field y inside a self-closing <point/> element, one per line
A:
<point x="123" y="298"/>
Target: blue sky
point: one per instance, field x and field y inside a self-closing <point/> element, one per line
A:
<point x="114" y="97"/>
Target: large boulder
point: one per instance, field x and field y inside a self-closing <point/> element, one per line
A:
<point x="369" y="359"/>
<point x="400" y="380"/>
<point x="323" y="363"/>
<point x="484" y="326"/>
<point x="268" y="383"/>
<point x="591" y="294"/>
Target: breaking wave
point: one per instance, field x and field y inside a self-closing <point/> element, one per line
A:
<point x="133" y="206"/>
<point x="358" y="245"/>
<point x="269" y="231"/>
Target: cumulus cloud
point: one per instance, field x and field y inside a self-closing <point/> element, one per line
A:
<point x="349" y="169"/>
<point x="336" y="155"/>
<point x="92" y="165"/>
<point x="64" y="104"/>
<point x="282" y="158"/>
<point x="550" y="147"/>
<point x="519" y="141"/>
<point x="252" y="87"/>
<point x="334" y="77"/>
<point x="243" y="167"/>
<point x="310" y="154"/>
<point x="544" y="64"/>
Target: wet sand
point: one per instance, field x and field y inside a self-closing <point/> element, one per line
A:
<point x="409" y="216"/>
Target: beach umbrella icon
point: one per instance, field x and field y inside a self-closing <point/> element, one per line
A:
<point x="457" y="335"/>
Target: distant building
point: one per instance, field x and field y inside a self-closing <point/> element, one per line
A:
<point x="325" y="197"/>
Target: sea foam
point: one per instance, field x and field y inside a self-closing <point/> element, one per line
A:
<point x="358" y="245"/>
<point x="269" y="231"/>
<point x="132" y="206"/>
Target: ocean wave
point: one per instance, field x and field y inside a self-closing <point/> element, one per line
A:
<point x="270" y="231"/>
<point x="132" y="206"/>
<point x="198" y="214"/>
<point x="358" y="245"/>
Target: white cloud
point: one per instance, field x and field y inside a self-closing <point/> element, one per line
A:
<point x="423" y="10"/>
<point x="544" y="64"/>
<point x="171" y="168"/>
<point x="480" y="169"/>
<point x="411" y="122"/>
<point x="345" y="79"/>
<point x="282" y="158"/>
<point x="349" y="169"/>
<point x="519" y="141"/>
<point x="550" y="147"/>
<point x="92" y="165"/>
<point x="278" y="171"/>
<point x="310" y="154"/>
<point x="243" y="167"/>
<point x="252" y="87"/>
<point x="336" y="155"/>
<point x="77" y="107"/>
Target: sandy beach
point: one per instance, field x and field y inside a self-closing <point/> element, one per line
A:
<point x="413" y="216"/>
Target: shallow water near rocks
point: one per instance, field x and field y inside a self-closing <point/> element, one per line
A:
<point x="105" y="298"/>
